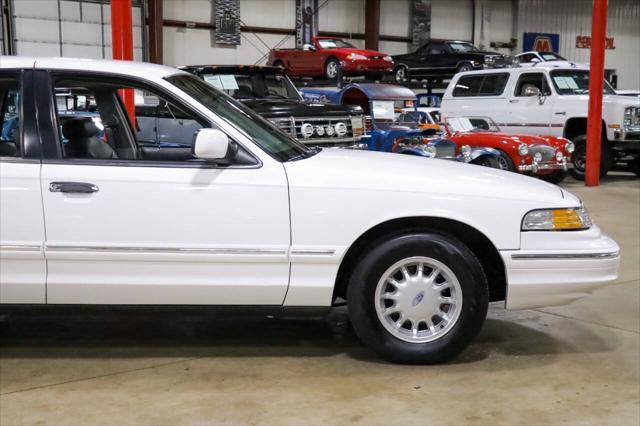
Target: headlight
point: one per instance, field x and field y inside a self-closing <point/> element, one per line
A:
<point x="559" y="156"/>
<point x="489" y="60"/>
<point x="570" y="147"/>
<point x="556" y="220"/>
<point x="357" y="124"/>
<point x="356" y="57"/>
<point x="631" y="117"/>
<point x="329" y="130"/>
<point x="537" y="157"/>
<point x="430" y="149"/>
<point x="319" y="130"/>
<point x="465" y="150"/>
<point x="388" y="59"/>
<point x="341" y="128"/>
<point x="307" y="130"/>
<point x="523" y="149"/>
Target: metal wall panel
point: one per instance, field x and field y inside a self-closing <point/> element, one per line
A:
<point x="570" y="18"/>
<point x="71" y="28"/>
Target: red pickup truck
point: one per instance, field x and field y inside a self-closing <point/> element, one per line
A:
<point x="329" y="54"/>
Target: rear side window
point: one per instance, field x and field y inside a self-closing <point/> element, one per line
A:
<point x="10" y="122"/>
<point x="481" y="85"/>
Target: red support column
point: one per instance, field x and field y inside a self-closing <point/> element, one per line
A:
<point x="122" y="44"/>
<point x="596" y="77"/>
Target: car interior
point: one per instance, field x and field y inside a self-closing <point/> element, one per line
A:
<point x="9" y="118"/>
<point x="532" y="80"/>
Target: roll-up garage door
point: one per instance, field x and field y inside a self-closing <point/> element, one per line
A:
<point x="70" y="28"/>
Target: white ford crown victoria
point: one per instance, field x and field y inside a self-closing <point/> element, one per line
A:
<point x="234" y="212"/>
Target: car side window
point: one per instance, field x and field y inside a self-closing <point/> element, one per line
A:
<point x="481" y="85"/>
<point x="532" y="80"/>
<point x="10" y="122"/>
<point x="437" y="49"/>
<point x="525" y="59"/>
<point x="93" y="123"/>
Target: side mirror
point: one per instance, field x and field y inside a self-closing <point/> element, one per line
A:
<point x="535" y="60"/>
<point x="531" y="91"/>
<point x="211" y="144"/>
<point x="310" y="47"/>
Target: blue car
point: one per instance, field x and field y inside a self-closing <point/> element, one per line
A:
<point x="390" y="129"/>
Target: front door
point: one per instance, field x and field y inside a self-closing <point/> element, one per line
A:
<point x="22" y="263"/>
<point x="527" y="112"/>
<point x="127" y="225"/>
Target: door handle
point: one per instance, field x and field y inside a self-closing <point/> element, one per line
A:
<point x="560" y="113"/>
<point x="513" y="101"/>
<point x="73" y="187"/>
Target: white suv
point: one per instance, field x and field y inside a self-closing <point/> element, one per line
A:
<point x="549" y="99"/>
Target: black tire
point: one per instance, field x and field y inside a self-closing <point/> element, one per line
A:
<point x="401" y="74"/>
<point x="332" y="62"/>
<point x="578" y="157"/>
<point x="634" y="166"/>
<point x="505" y="162"/>
<point x="465" y="66"/>
<point x="445" y="249"/>
<point x="556" y="177"/>
<point x="487" y="161"/>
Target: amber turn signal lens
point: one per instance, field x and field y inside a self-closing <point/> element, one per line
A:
<point x="556" y="220"/>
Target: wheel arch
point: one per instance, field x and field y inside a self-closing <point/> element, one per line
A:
<point x="478" y="243"/>
<point x="576" y="126"/>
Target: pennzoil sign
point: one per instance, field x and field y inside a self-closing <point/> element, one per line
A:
<point x="541" y="42"/>
<point x="584" y="42"/>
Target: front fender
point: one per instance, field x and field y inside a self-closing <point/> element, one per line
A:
<point x="477" y="153"/>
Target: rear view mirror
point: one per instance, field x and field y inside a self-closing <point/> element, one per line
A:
<point x="211" y="144"/>
<point x="531" y="91"/>
<point x="310" y="47"/>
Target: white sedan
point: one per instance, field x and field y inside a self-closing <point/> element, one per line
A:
<point x="237" y="213"/>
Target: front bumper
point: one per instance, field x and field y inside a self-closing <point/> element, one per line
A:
<point x="548" y="275"/>
<point x="367" y="66"/>
<point x="548" y="166"/>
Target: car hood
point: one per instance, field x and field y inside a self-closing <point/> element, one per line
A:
<point x="288" y="108"/>
<point x="497" y="137"/>
<point x="374" y="171"/>
<point x="365" y="52"/>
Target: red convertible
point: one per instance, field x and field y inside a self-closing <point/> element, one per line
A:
<point x="327" y="55"/>
<point x="544" y="156"/>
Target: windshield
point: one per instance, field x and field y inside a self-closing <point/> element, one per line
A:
<point x="550" y="56"/>
<point x="575" y="82"/>
<point x="462" y="47"/>
<point x="333" y="43"/>
<point x="254" y="86"/>
<point x="393" y="113"/>
<point x="472" y="124"/>
<point x="268" y="137"/>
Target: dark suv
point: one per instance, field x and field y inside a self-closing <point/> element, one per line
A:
<point x="442" y="59"/>
<point x="269" y="92"/>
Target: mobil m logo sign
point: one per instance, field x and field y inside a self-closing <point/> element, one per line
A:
<point x="541" y="42"/>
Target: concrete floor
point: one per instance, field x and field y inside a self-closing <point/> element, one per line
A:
<point x="577" y="364"/>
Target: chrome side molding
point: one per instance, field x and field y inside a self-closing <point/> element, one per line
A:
<point x="557" y="256"/>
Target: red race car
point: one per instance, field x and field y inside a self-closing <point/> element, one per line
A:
<point x="329" y="54"/>
<point x="543" y="156"/>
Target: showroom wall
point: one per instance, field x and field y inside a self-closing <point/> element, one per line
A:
<point x="68" y="28"/>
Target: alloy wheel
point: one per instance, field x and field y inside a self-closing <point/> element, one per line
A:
<point x="418" y="299"/>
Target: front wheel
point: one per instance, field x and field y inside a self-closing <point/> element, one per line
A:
<point x="488" y="161"/>
<point x="579" y="158"/>
<point x="331" y="69"/>
<point x="464" y="67"/>
<point x="418" y="298"/>
<point x="505" y="162"/>
<point x="401" y="74"/>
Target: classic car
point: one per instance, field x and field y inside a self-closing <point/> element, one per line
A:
<point x="327" y="55"/>
<point x="550" y="99"/>
<point x="441" y="59"/>
<point x="270" y="93"/>
<point x="532" y="58"/>
<point x="252" y="217"/>
<point x="542" y="156"/>
<point x="391" y="128"/>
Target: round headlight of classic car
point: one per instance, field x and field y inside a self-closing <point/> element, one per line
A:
<point x="559" y="156"/>
<point x="307" y="130"/>
<point x="556" y="220"/>
<point x="430" y="149"/>
<point x="329" y="130"/>
<point x="319" y="130"/>
<point x="523" y="149"/>
<point x="388" y="59"/>
<point x="569" y="147"/>
<point x="341" y="129"/>
<point x="537" y="157"/>
<point x="465" y="150"/>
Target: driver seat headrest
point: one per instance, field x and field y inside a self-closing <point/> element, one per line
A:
<point x="78" y="128"/>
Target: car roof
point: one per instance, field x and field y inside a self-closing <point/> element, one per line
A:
<point x="230" y="68"/>
<point x="130" y="68"/>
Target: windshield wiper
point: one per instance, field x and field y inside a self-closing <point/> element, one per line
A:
<point x="310" y="153"/>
